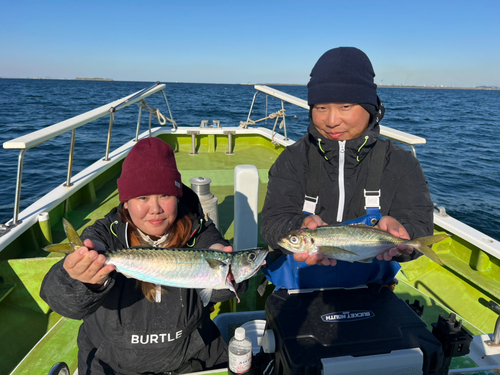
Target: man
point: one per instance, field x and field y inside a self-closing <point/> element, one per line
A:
<point x="322" y="178"/>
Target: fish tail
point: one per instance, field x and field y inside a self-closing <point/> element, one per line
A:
<point x="65" y="248"/>
<point x="74" y="240"/>
<point x="423" y="245"/>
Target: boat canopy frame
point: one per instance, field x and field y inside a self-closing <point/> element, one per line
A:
<point x="26" y="142"/>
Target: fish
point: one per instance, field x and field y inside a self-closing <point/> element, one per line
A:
<point x="202" y="269"/>
<point x="353" y="242"/>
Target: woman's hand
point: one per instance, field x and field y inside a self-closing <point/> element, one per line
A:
<point x="87" y="266"/>
<point x="312" y="222"/>
<point x="394" y="227"/>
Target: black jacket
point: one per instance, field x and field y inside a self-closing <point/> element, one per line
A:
<point x="123" y="332"/>
<point x="404" y="191"/>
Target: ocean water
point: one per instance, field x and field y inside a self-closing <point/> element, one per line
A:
<point x="461" y="159"/>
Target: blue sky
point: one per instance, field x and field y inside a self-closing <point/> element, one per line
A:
<point x="450" y="43"/>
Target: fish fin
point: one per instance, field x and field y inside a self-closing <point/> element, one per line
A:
<point x="367" y="260"/>
<point x="205" y="295"/>
<point x="325" y="250"/>
<point x="359" y="225"/>
<point x="65" y="248"/>
<point x="403" y="272"/>
<point x="423" y="245"/>
<point x="215" y="263"/>
<point x="73" y="237"/>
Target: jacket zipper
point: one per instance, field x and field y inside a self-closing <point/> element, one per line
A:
<point x="126" y="236"/>
<point x="158" y="293"/>
<point x="340" y="210"/>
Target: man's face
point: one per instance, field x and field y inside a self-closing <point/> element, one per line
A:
<point x="340" y="121"/>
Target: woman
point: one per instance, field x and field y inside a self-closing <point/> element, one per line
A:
<point x="129" y="326"/>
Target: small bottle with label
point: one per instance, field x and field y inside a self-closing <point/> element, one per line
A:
<point x="240" y="352"/>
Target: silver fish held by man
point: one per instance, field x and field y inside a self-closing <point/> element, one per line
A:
<point x="202" y="269"/>
<point x="353" y="243"/>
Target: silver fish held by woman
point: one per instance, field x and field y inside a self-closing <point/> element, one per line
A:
<point x="353" y="243"/>
<point x="182" y="268"/>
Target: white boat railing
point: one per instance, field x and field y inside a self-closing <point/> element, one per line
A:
<point x="28" y="141"/>
<point x="397" y="135"/>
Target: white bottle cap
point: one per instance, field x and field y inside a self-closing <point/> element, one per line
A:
<point x="239" y="333"/>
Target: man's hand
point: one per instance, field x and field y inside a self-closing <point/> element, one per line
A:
<point x="87" y="266"/>
<point x="394" y="227"/>
<point x="314" y="259"/>
<point x="312" y="222"/>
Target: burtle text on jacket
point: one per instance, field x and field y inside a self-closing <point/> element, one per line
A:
<point x="155" y="338"/>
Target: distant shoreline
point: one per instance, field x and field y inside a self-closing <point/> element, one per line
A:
<point x="93" y="79"/>
<point x="272" y="84"/>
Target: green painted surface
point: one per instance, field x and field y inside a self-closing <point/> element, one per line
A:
<point x="59" y="345"/>
<point x="20" y="330"/>
<point x="24" y="315"/>
<point x="26" y="275"/>
<point x="455" y="286"/>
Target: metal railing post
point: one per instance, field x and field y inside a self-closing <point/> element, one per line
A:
<point x="138" y="124"/>
<point x="229" y="142"/>
<point x="193" y="135"/>
<point x="70" y="159"/>
<point x="284" y="119"/>
<point x="174" y="125"/>
<point x="414" y="152"/>
<point x="150" y="118"/>
<point x="108" y="144"/>
<point x="251" y="106"/>
<point x="17" y="200"/>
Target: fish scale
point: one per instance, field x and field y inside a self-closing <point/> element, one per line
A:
<point x="367" y="243"/>
<point x="172" y="267"/>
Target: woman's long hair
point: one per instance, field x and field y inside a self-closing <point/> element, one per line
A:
<point x="178" y="235"/>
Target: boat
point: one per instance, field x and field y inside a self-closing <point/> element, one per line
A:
<point x="231" y="164"/>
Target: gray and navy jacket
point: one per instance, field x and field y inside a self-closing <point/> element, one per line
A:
<point x="123" y="332"/>
<point x="344" y="170"/>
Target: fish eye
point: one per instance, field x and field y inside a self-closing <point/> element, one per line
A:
<point x="294" y="239"/>
<point x="251" y="257"/>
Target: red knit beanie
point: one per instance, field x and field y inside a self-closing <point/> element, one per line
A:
<point x="149" y="169"/>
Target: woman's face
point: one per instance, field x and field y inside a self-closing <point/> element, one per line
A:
<point x="153" y="214"/>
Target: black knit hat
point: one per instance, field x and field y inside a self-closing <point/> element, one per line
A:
<point x="342" y="75"/>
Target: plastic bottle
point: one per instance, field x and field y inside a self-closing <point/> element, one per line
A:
<point x="240" y="352"/>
